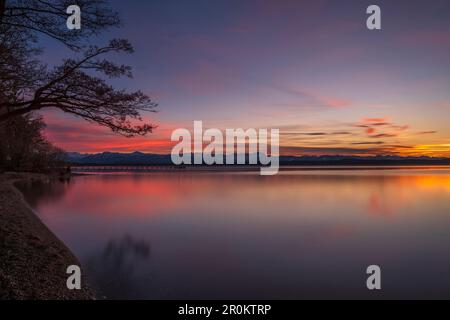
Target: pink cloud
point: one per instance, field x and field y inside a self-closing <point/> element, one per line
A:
<point x="375" y="120"/>
<point x="335" y="102"/>
<point x="316" y="99"/>
<point x="422" y="38"/>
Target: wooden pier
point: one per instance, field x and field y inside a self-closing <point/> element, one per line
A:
<point x="125" y="168"/>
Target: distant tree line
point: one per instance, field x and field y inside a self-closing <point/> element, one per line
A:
<point x="77" y="86"/>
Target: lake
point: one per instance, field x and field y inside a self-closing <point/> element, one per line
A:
<point x="239" y="235"/>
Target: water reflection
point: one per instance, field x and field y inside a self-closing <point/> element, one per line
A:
<point x="378" y="206"/>
<point x="300" y="234"/>
<point x="40" y="192"/>
<point x="114" y="271"/>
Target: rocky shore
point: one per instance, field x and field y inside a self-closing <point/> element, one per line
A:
<point x="33" y="261"/>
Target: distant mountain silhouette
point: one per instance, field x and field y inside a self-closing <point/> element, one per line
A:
<point x="140" y="158"/>
<point x="115" y="158"/>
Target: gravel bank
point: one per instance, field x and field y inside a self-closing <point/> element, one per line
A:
<point x="33" y="261"/>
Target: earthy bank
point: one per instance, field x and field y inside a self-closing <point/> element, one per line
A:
<point x="33" y="261"/>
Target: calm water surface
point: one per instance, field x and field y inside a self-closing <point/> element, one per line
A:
<point x="300" y="234"/>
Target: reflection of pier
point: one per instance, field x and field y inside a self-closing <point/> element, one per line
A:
<point x="130" y="168"/>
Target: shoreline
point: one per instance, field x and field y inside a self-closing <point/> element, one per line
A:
<point x="33" y="261"/>
<point x="142" y="169"/>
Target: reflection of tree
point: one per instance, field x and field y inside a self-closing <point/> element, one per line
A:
<point x="114" y="272"/>
<point x="37" y="192"/>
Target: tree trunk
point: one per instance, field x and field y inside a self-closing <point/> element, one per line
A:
<point x="2" y="9"/>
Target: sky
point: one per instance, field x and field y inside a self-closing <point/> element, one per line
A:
<point x="312" y="69"/>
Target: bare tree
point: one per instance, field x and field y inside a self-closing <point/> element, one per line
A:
<point x="73" y="87"/>
<point x="23" y="146"/>
<point x="49" y="18"/>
